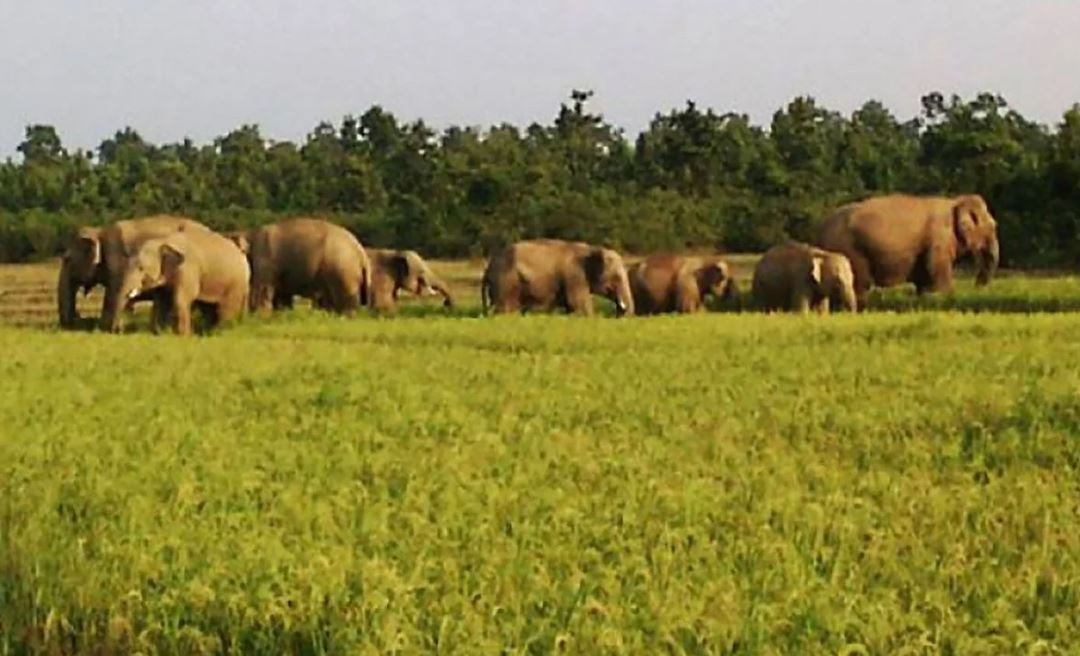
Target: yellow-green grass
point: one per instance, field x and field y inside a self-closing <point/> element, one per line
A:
<point x="722" y="483"/>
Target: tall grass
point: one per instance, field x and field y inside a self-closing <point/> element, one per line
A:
<point x="733" y="483"/>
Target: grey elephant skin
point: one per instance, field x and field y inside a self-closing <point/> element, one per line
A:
<point x="892" y="240"/>
<point x="666" y="283"/>
<point x="305" y="257"/>
<point x="98" y="256"/>
<point x="185" y="268"/>
<point x="396" y="270"/>
<point x="798" y="277"/>
<point x="543" y="274"/>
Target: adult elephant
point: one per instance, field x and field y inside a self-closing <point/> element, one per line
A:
<point x="98" y="256"/>
<point x="895" y="239"/>
<point x="394" y="270"/>
<point x="542" y="274"/>
<point x="186" y="268"/>
<point x="306" y="257"/>
<point x="798" y="277"/>
<point x="671" y="283"/>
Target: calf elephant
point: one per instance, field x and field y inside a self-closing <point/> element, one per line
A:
<point x="306" y="257"/>
<point x="188" y="267"/>
<point x="895" y="239"/>
<point x="799" y="277"/>
<point x="98" y="256"/>
<point x="393" y="270"/>
<point x="670" y="283"/>
<point x="542" y="274"/>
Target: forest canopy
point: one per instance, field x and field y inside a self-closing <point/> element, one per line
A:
<point x="693" y="179"/>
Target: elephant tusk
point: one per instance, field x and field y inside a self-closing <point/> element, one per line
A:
<point x="133" y="293"/>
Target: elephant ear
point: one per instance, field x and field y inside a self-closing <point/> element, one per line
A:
<point x="594" y="265"/>
<point x="89" y="249"/>
<point x="966" y="222"/>
<point x="85" y="248"/>
<point x="717" y="273"/>
<point x="815" y="270"/>
<point x="171" y="259"/>
<point x="399" y="266"/>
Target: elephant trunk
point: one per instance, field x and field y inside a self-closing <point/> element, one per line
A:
<point x="731" y="291"/>
<point x="440" y="287"/>
<point x="119" y="293"/>
<point x="65" y="296"/>
<point x="988" y="262"/>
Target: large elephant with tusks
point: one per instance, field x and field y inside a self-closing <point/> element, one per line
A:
<point x="99" y="256"/>
<point x="543" y="274"/>
<point x="895" y="239"/>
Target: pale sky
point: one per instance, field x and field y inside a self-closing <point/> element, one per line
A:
<point x="198" y="68"/>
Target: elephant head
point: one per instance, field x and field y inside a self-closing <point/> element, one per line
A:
<point x="154" y="265"/>
<point x="834" y="279"/>
<point x="976" y="233"/>
<point x="715" y="278"/>
<point x="606" y="274"/>
<point x="411" y="273"/>
<point x="80" y="266"/>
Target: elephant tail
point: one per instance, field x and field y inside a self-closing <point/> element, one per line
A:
<point x="485" y="294"/>
<point x="365" y="284"/>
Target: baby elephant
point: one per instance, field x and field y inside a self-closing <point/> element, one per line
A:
<point x="799" y="277"/>
<point x="670" y="283"/>
<point x="186" y="268"/>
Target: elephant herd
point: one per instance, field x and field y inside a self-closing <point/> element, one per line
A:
<point x="882" y="241"/>
<point x="180" y="264"/>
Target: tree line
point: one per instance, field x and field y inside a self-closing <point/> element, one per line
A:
<point x="693" y="179"/>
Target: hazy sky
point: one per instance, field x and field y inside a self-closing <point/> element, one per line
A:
<point x="198" y="68"/>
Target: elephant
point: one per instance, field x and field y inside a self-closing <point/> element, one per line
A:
<point x="895" y="239"/>
<point x="671" y="283"/>
<point x="98" y="256"/>
<point x="306" y="257"/>
<point x="541" y="274"/>
<point x="799" y="277"/>
<point x="185" y="268"/>
<point x="394" y="270"/>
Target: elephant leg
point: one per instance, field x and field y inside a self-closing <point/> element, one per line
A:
<point x="800" y="301"/>
<point x="687" y="299"/>
<point x="939" y="267"/>
<point x="579" y="301"/>
<point x="231" y="307"/>
<point x="262" y="296"/>
<point x="159" y="314"/>
<point x="281" y="300"/>
<point x="507" y="304"/>
<point x="111" y="320"/>
<point x="860" y="269"/>
<point x="347" y="289"/>
<point x="183" y="317"/>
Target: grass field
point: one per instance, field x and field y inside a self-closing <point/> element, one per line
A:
<point x="902" y="481"/>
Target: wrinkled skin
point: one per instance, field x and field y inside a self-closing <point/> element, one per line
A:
<point x="797" y="277"/>
<point x="98" y="256"/>
<point x="891" y="240"/>
<point x="396" y="270"/>
<point x="671" y="283"/>
<point x="305" y="257"/>
<point x="543" y="274"/>
<point x="186" y="268"/>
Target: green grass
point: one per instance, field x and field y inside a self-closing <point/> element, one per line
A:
<point x="725" y="483"/>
